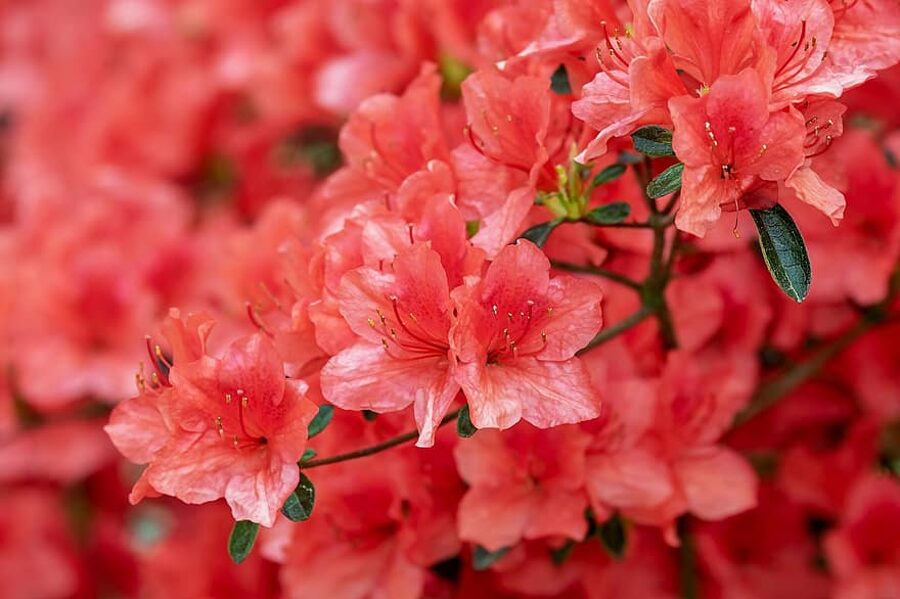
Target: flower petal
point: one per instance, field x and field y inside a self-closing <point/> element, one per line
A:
<point x="716" y="481"/>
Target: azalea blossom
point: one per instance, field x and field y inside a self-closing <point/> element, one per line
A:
<point x="515" y="341"/>
<point x="232" y="427"/>
<point x="431" y="298"/>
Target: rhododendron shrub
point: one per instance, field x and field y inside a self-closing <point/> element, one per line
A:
<point x="484" y="298"/>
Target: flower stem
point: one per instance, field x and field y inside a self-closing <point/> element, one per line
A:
<point x="769" y="393"/>
<point x="687" y="561"/>
<point x="596" y="270"/>
<point x="373" y="449"/>
<point x="616" y="329"/>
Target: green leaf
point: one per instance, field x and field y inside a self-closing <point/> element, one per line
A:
<point x="784" y="251"/>
<point x="629" y="158"/>
<point x="561" y="554"/>
<point x="464" y="426"/>
<point x="668" y="181"/>
<point x="241" y="541"/>
<point x="608" y="214"/>
<point x="308" y="454"/>
<point x="559" y="81"/>
<point x="321" y="420"/>
<point x="653" y="140"/>
<point x="613" y="535"/>
<point x="539" y="234"/>
<point x="299" y="504"/>
<point x="613" y="171"/>
<point x="472" y="228"/>
<point x="482" y="559"/>
<point x="369" y="415"/>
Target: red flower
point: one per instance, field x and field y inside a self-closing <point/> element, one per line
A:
<point x="516" y="337"/>
<point x="730" y="144"/>
<point x="232" y="427"/>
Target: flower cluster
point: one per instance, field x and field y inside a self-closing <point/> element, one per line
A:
<point x="438" y="297"/>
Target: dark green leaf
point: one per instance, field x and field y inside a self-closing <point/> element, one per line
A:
<point x="308" y="454"/>
<point x="299" y="504"/>
<point x="608" y="214"/>
<point x="321" y="420"/>
<point x="482" y="559"/>
<point x="561" y="554"/>
<point x="653" y="140"/>
<point x="539" y="234"/>
<point x="241" y="541"/>
<point x="369" y="415"/>
<point x="613" y="171"/>
<point x="784" y="251"/>
<point x="668" y="181"/>
<point x="464" y="426"/>
<point x="613" y="535"/>
<point x="629" y="158"/>
<point x="472" y="228"/>
<point x="559" y="81"/>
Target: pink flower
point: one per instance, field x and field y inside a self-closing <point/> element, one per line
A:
<point x="510" y="119"/>
<point x="232" y="427"/>
<point x="636" y="80"/>
<point x="402" y="354"/>
<point x="524" y="483"/>
<point x="730" y="144"/>
<point x="516" y="337"/>
<point x="864" y="552"/>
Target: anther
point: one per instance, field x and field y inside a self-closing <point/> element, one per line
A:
<point x="370" y="322"/>
<point x="228" y="398"/>
<point x="494" y="309"/>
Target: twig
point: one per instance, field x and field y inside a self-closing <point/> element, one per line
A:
<point x="616" y="329"/>
<point x="769" y="393"/>
<point x="372" y="450"/>
<point x="596" y="270"/>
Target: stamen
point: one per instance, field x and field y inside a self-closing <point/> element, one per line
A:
<point x="612" y="49"/>
<point x="157" y="350"/>
<point x="158" y="376"/>
<point x="256" y="320"/>
<point x="139" y="379"/>
<point x="796" y="46"/>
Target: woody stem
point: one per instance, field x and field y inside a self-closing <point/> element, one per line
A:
<point x="654" y="287"/>
<point x="373" y="449"/>
<point x="769" y="393"/>
<point x="596" y="270"/>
